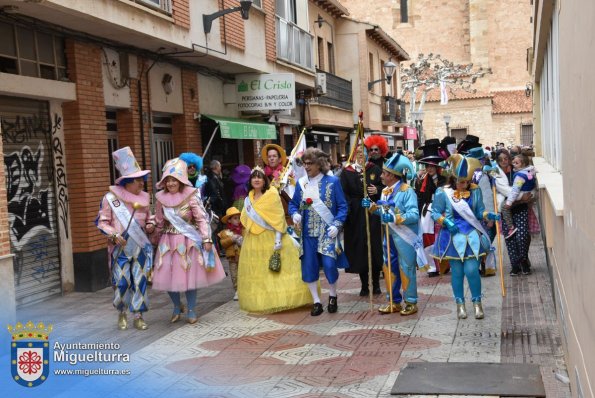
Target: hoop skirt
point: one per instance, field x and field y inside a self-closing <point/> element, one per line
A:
<point x="261" y="290"/>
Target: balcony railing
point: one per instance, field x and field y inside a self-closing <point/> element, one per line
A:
<point x="339" y="92"/>
<point x="294" y="44"/>
<point x="162" y="5"/>
<point x="393" y="110"/>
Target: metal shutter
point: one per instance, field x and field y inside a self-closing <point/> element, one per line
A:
<point x="28" y="167"/>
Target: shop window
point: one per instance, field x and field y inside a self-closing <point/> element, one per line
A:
<point x="28" y="52"/>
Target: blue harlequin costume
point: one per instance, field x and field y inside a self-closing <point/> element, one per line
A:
<point x="318" y="248"/>
<point x="462" y="239"/>
<point x="403" y="214"/>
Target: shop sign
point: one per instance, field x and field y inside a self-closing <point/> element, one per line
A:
<point x="265" y="92"/>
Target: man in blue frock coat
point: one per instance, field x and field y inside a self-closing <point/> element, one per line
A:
<point x="319" y="208"/>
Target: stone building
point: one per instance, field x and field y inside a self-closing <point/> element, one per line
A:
<point x="490" y="34"/>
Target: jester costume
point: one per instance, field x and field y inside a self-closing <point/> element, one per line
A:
<point x="131" y="263"/>
<point x="462" y="239"/>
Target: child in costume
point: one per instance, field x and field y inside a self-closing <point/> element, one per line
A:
<point x="523" y="185"/>
<point x="231" y="239"/>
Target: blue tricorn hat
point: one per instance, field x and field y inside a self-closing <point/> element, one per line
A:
<point x="476" y="153"/>
<point x="399" y="165"/>
<point x="463" y="167"/>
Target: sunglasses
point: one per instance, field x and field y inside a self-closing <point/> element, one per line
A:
<point x="374" y="149"/>
<point x="308" y="163"/>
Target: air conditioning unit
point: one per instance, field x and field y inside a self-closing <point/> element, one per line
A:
<point x="320" y="84"/>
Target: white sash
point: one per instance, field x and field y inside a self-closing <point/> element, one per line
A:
<point x="317" y="204"/>
<point x="134" y="231"/>
<point x="182" y="226"/>
<point x="462" y="207"/>
<point x="254" y="216"/>
<point x="413" y="240"/>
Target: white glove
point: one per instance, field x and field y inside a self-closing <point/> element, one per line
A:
<point x="240" y="240"/>
<point x="297" y="218"/>
<point x="333" y="231"/>
<point x="278" y="245"/>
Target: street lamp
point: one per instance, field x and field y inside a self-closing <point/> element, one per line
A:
<point x="447" y="121"/>
<point x="389" y="70"/>
<point x="244" y="8"/>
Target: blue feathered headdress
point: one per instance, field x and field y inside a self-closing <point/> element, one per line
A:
<point x="192" y="158"/>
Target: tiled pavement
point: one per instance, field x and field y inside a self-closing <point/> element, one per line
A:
<point x="353" y="353"/>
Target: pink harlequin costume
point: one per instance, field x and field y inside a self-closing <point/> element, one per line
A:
<point x="181" y="263"/>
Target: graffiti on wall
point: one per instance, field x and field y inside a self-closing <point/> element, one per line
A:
<point x="24" y="128"/>
<point x="60" y="170"/>
<point x="26" y="194"/>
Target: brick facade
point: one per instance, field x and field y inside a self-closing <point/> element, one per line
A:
<point x="232" y="26"/>
<point x="86" y="144"/>
<point x="180" y="10"/>
<point x="270" y="31"/>
<point x="187" y="137"/>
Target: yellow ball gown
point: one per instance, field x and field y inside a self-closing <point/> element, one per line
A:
<point x="261" y="290"/>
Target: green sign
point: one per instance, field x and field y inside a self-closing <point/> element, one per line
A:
<point x="242" y="129"/>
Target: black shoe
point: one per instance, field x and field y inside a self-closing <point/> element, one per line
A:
<point x="526" y="271"/>
<point x="364" y="292"/>
<point x="376" y="291"/>
<point x="515" y="272"/>
<point x="332" y="304"/>
<point x="316" y="309"/>
<point x="433" y="274"/>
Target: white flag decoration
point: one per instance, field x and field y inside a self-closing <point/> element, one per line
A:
<point x="295" y="168"/>
<point x="443" y="93"/>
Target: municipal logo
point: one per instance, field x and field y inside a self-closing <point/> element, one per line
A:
<point x="30" y="353"/>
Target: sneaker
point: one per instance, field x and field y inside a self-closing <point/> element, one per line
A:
<point x="511" y="231"/>
<point x="235" y="296"/>
<point x="515" y="272"/>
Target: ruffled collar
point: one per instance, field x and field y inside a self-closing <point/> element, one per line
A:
<point x="175" y="199"/>
<point x="142" y="198"/>
<point x="275" y="172"/>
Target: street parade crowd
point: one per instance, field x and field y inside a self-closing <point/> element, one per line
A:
<point x="444" y="208"/>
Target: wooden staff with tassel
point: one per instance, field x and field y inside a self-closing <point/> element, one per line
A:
<point x="359" y="141"/>
<point x="493" y="181"/>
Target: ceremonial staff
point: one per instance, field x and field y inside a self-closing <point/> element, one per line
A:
<point x="492" y="175"/>
<point x="388" y="269"/>
<point x="360" y="141"/>
<point x="135" y="207"/>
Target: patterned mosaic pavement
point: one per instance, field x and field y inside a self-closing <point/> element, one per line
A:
<point x="354" y="353"/>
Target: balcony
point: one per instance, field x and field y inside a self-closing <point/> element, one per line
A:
<point x="339" y="92"/>
<point x="393" y="112"/>
<point x="294" y="45"/>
